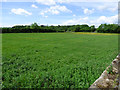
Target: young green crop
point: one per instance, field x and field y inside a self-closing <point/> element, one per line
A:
<point x="59" y="60"/>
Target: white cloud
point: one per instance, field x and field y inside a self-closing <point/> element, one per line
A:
<point x="55" y="10"/>
<point x="20" y="11"/>
<point x="53" y="2"/>
<point x="113" y="9"/>
<point x="96" y="22"/>
<point x="4" y="0"/>
<point x="46" y="2"/>
<point x="6" y="25"/>
<point x="61" y="1"/>
<point x="22" y="24"/>
<point x="64" y="1"/>
<point x="59" y="8"/>
<point x="68" y="1"/>
<point x="1" y="25"/>
<point x="34" y="6"/>
<point x="88" y="12"/>
<point x="109" y="6"/>
<point x="76" y="21"/>
<point x="74" y="15"/>
<point x="42" y="14"/>
<point x="102" y="7"/>
<point x="46" y="16"/>
<point x="104" y="19"/>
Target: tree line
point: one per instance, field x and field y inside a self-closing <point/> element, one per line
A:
<point x="35" y="28"/>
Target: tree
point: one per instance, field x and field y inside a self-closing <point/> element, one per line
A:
<point x="34" y="26"/>
<point x="92" y="28"/>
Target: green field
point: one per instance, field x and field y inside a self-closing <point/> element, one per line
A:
<point x="56" y="60"/>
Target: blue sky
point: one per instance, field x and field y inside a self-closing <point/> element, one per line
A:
<point x="58" y="12"/>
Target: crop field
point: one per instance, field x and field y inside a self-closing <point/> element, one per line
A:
<point x="59" y="60"/>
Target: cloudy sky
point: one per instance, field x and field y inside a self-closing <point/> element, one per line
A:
<point x="58" y="12"/>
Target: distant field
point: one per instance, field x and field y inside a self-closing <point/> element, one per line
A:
<point x="55" y="59"/>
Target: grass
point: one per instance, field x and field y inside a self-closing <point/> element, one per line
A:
<point x="0" y="61"/>
<point x="91" y="33"/>
<point x="59" y="60"/>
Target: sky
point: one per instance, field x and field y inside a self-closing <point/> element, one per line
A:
<point x="58" y="12"/>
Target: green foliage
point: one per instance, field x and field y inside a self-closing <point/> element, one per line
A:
<point x="55" y="60"/>
<point x="34" y="26"/>
<point x="104" y="28"/>
<point x="92" y="28"/>
<point x="108" y="28"/>
<point x="109" y="71"/>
